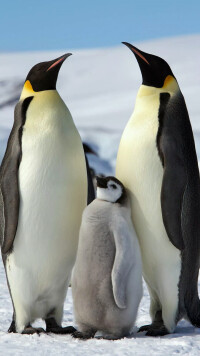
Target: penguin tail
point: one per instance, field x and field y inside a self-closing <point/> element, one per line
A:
<point x="192" y="306"/>
<point x="12" y="328"/>
<point x="188" y="287"/>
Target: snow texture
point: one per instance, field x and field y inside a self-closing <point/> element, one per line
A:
<point x="100" y="87"/>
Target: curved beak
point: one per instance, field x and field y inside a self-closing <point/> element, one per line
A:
<point x="58" y="61"/>
<point x="137" y="52"/>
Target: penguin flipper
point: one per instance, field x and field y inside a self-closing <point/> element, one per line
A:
<point x="170" y="143"/>
<point x="122" y="264"/>
<point x="9" y="190"/>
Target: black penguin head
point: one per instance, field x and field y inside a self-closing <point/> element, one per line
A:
<point x="110" y="189"/>
<point x="43" y="76"/>
<point x="154" y="69"/>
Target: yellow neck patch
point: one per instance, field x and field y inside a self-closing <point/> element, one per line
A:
<point x="27" y="90"/>
<point x="170" y="84"/>
<point x="168" y="80"/>
<point x="28" y="86"/>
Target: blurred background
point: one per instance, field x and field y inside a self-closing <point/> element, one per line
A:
<point x="100" y="81"/>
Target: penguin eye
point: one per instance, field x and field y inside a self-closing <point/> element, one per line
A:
<point x="113" y="186"/>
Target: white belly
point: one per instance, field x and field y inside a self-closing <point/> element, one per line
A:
<point x="139" y="168"/>
<point x="53" y="193"/>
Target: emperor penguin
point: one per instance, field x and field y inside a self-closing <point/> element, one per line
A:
<point x="43" y="192"/>
<point x="157" y="163"/>
<point x="107" y="276"/>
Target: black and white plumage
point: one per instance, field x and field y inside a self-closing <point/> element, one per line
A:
<point x="43" y="184"/>
<point x="157" y="162"/>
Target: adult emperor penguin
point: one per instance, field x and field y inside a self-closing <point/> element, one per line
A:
<point x="157" y="162"/>
<point x="107" y="276"/>
<point x="43" y="183"/>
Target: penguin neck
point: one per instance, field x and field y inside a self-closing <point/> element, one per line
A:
<point x="28" y="91"/>
<point x="148" y="98"/>
<point x="47" y="109"/>
<point x="170" y="86"/>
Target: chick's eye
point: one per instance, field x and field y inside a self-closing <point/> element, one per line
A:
<point x="113" y="186"/>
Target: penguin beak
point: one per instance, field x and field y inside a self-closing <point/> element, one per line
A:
<point x="58" y="61"/>
<point x="154" y="69"/>
<point x="139" y="54"/>
<point x="101" y="182"/>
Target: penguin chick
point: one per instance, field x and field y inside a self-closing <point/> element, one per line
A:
<point x="107" y="277"/>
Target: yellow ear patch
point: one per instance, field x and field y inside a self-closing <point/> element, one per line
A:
<point x="170" y="84"/>
<point x="168" y="80"/>
<point x="27" y="90"/>
<point x="28" y="86"/>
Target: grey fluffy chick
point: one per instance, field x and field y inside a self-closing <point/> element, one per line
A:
<point x="107" y="277"/>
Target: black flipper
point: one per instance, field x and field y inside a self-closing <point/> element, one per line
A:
<point x="181" y="192"/>
<point x="170" y="146"/>
<point x="91" y="190"/>
<point x="9" y="192"/>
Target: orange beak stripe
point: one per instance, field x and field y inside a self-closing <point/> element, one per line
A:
<point x="140" y="55"/>
<point x="55" y="64"/>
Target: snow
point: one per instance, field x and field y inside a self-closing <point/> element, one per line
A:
<point x="99" y="87"/>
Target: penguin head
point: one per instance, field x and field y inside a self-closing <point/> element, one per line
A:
<point x="156" y="72"/>
<point x="110" y="189"/>
<point x="43" y="76"/>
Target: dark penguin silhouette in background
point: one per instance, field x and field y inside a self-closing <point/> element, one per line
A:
<point x="157" y="163"/>
<point x="90" y="173"/>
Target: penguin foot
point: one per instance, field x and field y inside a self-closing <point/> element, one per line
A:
<point x="144" y="328"/>
<point x="154" y="329"/>
<point x="157" y="331"/>
<point x="157" y="324"/>
<point x="53" y="327"/>
<point x="82" y="336"/>
<point x="29" y="330"/>
<point x="60" y="330"/>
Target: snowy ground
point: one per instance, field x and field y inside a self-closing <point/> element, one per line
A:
<point x="99" y="87"/>
<point x="185" y="340"/>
